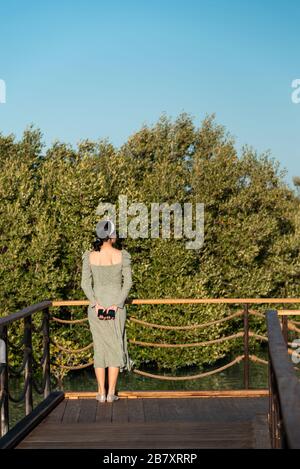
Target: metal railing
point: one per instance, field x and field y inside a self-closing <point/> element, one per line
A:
<point x="28" y="361"/>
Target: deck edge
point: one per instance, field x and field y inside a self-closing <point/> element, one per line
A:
<point x="167" y="394"/>
<point x="29" y="422"/>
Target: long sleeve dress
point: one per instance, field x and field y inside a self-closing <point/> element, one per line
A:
<point x="103" y="284"/>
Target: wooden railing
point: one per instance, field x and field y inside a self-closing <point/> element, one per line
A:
<point x="284" y="387"/>
<point x="27" y="366"/>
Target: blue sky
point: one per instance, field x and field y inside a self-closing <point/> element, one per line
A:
<point x="93" y="69"/>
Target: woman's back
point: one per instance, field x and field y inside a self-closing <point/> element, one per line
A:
<point x="102" y="272"/>
<point x="106" y="256"/>
<point x="102" y="276"/>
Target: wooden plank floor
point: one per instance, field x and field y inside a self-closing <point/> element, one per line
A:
<point x="170" y="422"/>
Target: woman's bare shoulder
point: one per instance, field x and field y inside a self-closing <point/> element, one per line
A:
<point x="114" y="256"/>
<point x="117" y="254"/>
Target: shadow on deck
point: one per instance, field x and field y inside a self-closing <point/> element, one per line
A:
<point x="183" y="419"/>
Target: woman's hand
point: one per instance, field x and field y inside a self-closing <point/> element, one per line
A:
<point x="114" y="307"/>
<point x="97" y="308"/>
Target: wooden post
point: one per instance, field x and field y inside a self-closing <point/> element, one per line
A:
<point x="285" y="330"/>
<point x="246" y="347"/>
<point x="46" y="353"/>
<point x="28" y="364"/>
<point x="4" y="384"/>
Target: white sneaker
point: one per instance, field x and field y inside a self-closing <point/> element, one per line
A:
<point x="101" y="397"/>
<point x="112" y="397"/>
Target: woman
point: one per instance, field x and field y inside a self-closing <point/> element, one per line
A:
<point x="102" y="271"/>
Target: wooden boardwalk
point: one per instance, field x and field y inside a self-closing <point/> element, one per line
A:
<point x="155" y="420"/>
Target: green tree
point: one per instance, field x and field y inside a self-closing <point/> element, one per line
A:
<point x="48" y="214"/>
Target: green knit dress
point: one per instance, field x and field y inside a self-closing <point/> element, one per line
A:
<point x="103" y="284"/>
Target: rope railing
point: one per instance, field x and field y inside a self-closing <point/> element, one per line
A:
<point x="258" y="336"/>
<point x="77" y="367"/>
<point x="133" y="319"/>
<point x="67" y="350"/>
<point x="256" y="359"/>
<point x="190" y="327"/>
<point x="39" y="389"/>
<point x="190" y="377"/>
<point x="158" y="326"/>
<point x="238" y="359"/>
<point x="17" y="371"/>
<point x="68" y="321"/>
<point x="193" y="344"/>
<point x="21" y="395"/>
<point x="292" y="327"/>
<point x="296" y="323"/>
<point x="257" y="314"/>
<point x="40" y="362"/>
<point x="153" y="344"/>
<point x="29" y="362"/>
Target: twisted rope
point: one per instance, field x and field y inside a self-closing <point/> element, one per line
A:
<point x="22" y="395"/>
<point x="39" y="390"/>
<point x="256" y="313"/>
<point x="68" y="321"/>
<point x="161" y="326"/>
<point x="295" y="322"/>
<point x="200" y="375"/>
<point x="41" y="361"/>
<point x="292" y="327"/>
<point x="257" y="336"/>
<point x="18" y="371"/>
<point x="78" y="367"/>
<point x="195" y="344"/>
<point x="193" y="326"/>
<point x="63" y="349"/>
<point x="254" y="358"/>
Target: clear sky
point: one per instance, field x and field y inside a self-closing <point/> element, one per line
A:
<point x="101" y="69"/>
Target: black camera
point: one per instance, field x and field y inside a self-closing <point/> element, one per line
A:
<point x="104" y="313"/>
<point x="101" y="313"/>
<point x="111" y="313"/>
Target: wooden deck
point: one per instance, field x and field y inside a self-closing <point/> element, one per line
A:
<point x="155" y="420"/>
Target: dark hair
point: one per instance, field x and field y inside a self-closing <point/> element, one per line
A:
<point x="98" y="243"/>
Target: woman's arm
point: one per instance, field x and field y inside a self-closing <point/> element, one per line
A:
<point x="127" y="278"/>
<point x="86" y="279"/>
